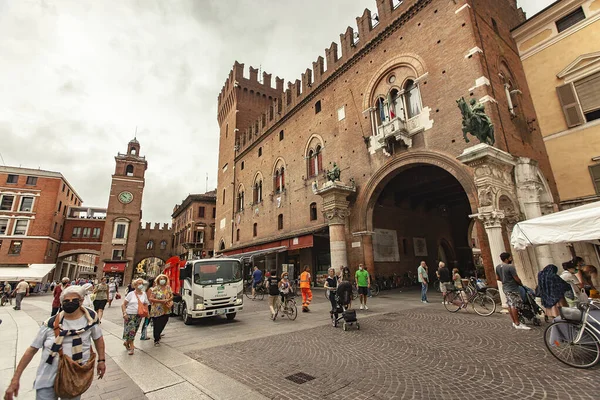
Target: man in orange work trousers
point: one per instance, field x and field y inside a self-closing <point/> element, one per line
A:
<point x="305" y="280"/>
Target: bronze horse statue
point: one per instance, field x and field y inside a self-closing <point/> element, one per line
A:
<point x="476" y="121"/>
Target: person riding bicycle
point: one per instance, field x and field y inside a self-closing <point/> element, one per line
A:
<point x="256" y="280"/>
<point x="284" y="289"/>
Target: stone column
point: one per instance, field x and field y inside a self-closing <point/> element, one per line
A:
<point x="335" y="211"/>
<point x="492" y="222"/>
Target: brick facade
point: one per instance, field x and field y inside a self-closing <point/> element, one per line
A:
<point x="194" y="226"/>
<point x="448" y="49"/>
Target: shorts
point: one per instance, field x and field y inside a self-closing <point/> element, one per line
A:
<point x="111" y="295"/>
<point x="363" y="290"/>
<point x="255" y="284"/>
<point x="99" y="304"/>
<point x="513" y="299"/>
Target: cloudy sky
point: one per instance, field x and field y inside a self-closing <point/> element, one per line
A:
<point x="78" y="76"/>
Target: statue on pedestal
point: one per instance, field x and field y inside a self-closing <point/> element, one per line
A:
<point x="334" y="174"/>
<point x="476" y="121"/>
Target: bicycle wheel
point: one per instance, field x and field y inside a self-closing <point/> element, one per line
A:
<point x="436" y="286"/>
<point x="248" y="291"/>
<point x="453" y="301"/>
<point x="559" y="338"/>
<point x="260" y="293"/>
<point x="484" y="305"/>
<point x="292" y="311"/>
<point x="375" y="290"/>
<point x="495" y="295"/>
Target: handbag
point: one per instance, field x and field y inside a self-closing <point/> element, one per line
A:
<point x="118" y="296"/>
<point x="142" y="308"/>
<point x="73" y="379"/>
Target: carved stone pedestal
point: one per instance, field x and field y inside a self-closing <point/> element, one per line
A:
<point x="335" y="209"/>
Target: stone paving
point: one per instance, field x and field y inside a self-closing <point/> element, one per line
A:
<point x="404" y="349"/>
<point x="420" y="353"/>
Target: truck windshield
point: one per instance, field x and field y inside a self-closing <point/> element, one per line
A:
<point x="217" y="272"/>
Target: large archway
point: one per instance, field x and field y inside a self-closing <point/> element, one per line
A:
<point x="76" y="264"/>
<point x="420" y="211"/>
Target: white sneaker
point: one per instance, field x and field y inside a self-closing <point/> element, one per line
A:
<point x="521" y="326"/>
<point x="366" y="308"/>
<point x="361" y="307"/>
<point x="443" y="302"/>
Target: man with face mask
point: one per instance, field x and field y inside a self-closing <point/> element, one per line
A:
<point x="363" y="282"/>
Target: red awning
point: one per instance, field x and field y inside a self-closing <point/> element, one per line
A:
<point x="114" y="267"/>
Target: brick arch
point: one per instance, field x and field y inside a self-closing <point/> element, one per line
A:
<point x="373" y="188"/>
<point x="412" y="61"/>
<point x="74" y="252"/>
<point x="312" y="139"/>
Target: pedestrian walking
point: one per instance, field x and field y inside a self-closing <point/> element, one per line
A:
<point x="305" y="280"/>
<point x="135" y="308"/>
<point x="423" y="278"/>
<point x="273" y="289"/>
<point x="161" y="299"/>
<point x="443" y="275"/>
<point x="69" y="333"/>
<point x="87" y="299"/>
<point x="112" y="290"/>
<point x="148" y="286"/>
<point x="101" y="291"/>
<point x="331" y="284"/>
<point x="507" y="274"/>
<point x="22" y="290"/>
<point x="56" y="293"/>
<point x="363" y="282"/>
<point x="6" y="291"/>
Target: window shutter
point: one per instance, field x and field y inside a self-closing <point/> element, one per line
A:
<point x="588" y="91"/>
<point x="595" y="173"/>
<point x="570" y="105"/>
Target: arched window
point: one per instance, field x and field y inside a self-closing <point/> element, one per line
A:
<point x="132" y="151"/>
<point x="412" y="99"/>
<point x="395" y="106"/>
<point x="311" y="164"/>
<point x="381" y="110"/>
<point x="257" y="190"/>
<point x="150" y="245"/>
<point x="279" y="176"/>
<point x="255" y="229"/>
<point x="313" y="211"/>
<point x="240" y="205"/>
<point x="163" y="244"/>
<point x="129" y="170"/>
<point x="280" y="221"/>
<point x="222" y="245"/>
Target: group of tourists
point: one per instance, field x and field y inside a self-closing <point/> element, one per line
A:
<point x="68" y="359"/>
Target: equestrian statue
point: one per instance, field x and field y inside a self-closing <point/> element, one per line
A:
<point x="476" y="121"/>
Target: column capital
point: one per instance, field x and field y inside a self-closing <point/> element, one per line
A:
<point x="363" y="233"/>
<point x="335" y="203"/>
<point x="490" y="218"/>
<point x="336" y="216"/>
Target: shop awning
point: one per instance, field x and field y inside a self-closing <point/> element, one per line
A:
<point x="292" y="243"/>
<point x="249" y="254"/>
<point x="33" y="273"/>
<point x="114" y="267"/>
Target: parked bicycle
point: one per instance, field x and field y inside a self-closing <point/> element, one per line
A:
<point x="471" y="288"/>
<point x="481" y="302"/>
<point x="287" y="308"/>
<point x="6" y="299"/>
<point x="575" y="340"/>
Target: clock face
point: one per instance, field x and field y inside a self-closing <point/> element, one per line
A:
<point x="125" y="197"/>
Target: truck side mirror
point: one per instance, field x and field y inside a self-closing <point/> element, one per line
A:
<point x="185" y="272"/>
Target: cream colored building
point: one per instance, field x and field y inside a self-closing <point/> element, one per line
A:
<point x="560" y="50"/>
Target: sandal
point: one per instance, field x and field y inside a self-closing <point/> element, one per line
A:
<point x="130" y="351"/>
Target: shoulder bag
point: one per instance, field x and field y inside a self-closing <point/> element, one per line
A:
<point x="72" y="379"/>
<point x="142" y="308"/>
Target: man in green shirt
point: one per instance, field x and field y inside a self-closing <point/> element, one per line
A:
<point x="363" y="282"/>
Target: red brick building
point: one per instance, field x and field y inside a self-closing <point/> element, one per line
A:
<point x="383" y="107"/>
<point x="33" y="213"/>
<point x="194" y="226"/>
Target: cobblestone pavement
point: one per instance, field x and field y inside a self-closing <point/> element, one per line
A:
<point x="418" y="353"/>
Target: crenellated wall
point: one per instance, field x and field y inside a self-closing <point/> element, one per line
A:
<point x="156" y="234"/>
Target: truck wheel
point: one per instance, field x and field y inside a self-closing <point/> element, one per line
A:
<point x="185" y="316"/>
<point x="230" y="317"/>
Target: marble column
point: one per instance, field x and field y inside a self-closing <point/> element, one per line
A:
<point x="335" y="211"/>
<point x="492" y="222"/>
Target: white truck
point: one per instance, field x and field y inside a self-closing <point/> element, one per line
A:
<point x="210" y="287"/>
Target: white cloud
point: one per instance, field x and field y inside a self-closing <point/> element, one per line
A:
<point x="83" y="74"/>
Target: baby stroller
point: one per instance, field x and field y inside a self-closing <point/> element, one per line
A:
<point x="530" y="310"/>
<point x="343" y="297"/>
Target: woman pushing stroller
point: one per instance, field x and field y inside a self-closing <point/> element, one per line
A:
<point x="331" y="284"/>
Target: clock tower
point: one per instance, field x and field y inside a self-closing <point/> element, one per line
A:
<point x="123" y="214"/>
